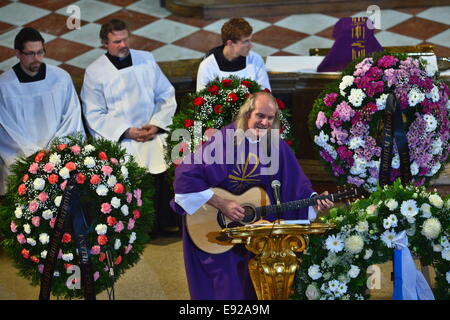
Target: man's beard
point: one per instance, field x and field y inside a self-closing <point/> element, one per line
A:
<point x="123" y="53"/>
<point x="34" y="67"/>
<point x="260" y="130"/>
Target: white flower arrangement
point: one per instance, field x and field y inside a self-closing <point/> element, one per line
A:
<point x="102" y="190"/>
<point x="124" y="209"/>
<point x="44" y="238"/>
<point x="415" y="96"/>
<point x="18" y="212"/>
<point x="354" y="244"/>
<point x="312" y="292"/>
<point x="446" y="254"/>
<point x="27" y="228"/>
<point x="334" y="266"/>
<point x="346" y="82"/>
<point x="431" y="122"/>
<point x="89" y="162"/>
<point x="436" y="201"/>
<point x="356" y="97"/>
<point x="101" y="229"/>
<point x="57" y="201"/>
<point x="64" y="173"/>
<point x="112" y="180"/>
<point x="431" y="228"/>
<point x="314" y="272"/>
<point x="392" y="204"/>
<point x="67" y="257"/>
<point x="55" y="159"/>
<point x="334" y="243"/>
<point x="115" y="202"/>
<point x="39" y="184"/>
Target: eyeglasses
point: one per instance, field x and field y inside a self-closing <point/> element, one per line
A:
<point x="29" y="54"/>
<point x="244" y="42"/>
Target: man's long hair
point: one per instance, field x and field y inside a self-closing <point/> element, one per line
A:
<point x="247" y="108"/>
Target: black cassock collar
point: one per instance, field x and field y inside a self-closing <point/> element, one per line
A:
<point x="224" y="65"/>
<point x="24" y="77"/>
<point x="120" y="63"/>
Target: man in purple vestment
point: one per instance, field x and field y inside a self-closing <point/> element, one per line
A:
<point x="225" y="276"/>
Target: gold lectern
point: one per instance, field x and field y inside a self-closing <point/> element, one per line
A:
<point x="275" y="263"/>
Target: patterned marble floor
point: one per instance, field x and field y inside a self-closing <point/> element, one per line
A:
<point x="171" y="37"/>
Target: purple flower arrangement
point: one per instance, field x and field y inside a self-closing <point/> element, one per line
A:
<point x="346" y="120"/>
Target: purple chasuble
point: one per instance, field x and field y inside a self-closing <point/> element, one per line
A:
<point x="353" y="39"/>
<point x="225" y="276"/>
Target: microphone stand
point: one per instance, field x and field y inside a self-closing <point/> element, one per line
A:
<point x="276" y="194"/>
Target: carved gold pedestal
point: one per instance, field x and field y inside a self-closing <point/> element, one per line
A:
<point x="273" y="268"/>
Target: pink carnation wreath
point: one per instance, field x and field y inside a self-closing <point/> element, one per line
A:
<point x="346" y="120"/>
<point x="119" y="212"/>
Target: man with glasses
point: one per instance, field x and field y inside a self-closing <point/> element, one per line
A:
<point x="38" y="103"/>
<point x="233" y="57"/>
<point x="126" y="98"/>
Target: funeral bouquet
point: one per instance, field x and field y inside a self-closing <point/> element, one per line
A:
<point x="347" y="119"/>
<point x="212" y="108"/>
<point x="335" y="266"/>
<point x="117" y="206"/>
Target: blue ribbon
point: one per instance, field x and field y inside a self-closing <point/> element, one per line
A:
<point x="409" y="283"/>
<point x="398" y="275"/>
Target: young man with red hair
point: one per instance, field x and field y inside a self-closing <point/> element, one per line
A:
<point x="233" y="57"/>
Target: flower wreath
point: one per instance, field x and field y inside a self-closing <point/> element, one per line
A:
<point x="346" y="120"/>
<point x="334" y="266"/>
<point x="111" y="192"/>
<point x="214" y="107"/>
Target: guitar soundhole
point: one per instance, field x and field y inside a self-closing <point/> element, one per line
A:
<point x="249" y="215"/>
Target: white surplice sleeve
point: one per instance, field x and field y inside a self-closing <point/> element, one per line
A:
<point x="191" y="202"/>
<point x="102" y="122"/>
<point x="261" y="73"/>
<point x="207" y="71"/>
<point x="8" y="153"/>
<point x="165" y="103"/>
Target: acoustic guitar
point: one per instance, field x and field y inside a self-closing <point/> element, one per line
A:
<point x="205" y="225"/>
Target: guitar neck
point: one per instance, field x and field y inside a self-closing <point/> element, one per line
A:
<point x="291" y="205"/>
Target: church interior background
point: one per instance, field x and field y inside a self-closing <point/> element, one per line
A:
<point x="171" y="37"/>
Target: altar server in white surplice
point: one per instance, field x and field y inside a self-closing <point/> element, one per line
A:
<point x="126" y="98"/>
<point x="233" y="57"/>
<point x="38" y="103"/>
